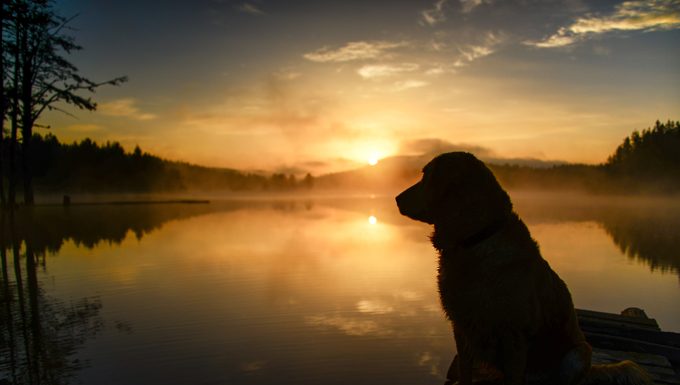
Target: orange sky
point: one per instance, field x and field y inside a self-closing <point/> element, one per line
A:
<point x="325" y="86"/>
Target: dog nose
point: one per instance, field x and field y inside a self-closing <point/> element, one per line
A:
<point x="399" y="199"/>
<point x="405" y="200"/>
<point x="402" y="201"/>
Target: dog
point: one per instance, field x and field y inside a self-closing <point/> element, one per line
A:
<point x="510" y="312"/>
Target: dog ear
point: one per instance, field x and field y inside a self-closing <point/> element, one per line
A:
<point x="460" y="186"/>
<point x="435" y="185"/>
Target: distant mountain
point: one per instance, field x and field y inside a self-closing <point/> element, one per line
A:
<point x="392" y="172"/>
<point x="645" y="162"/>
<point x="386" y="174"/>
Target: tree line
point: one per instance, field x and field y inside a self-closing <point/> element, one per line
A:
<point x="651" y="154"/>
<point x="647" y="161"/>
<point x="88" y="167"/>
<point x="36" y="77"/>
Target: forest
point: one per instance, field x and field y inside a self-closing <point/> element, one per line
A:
<point x="88" y="167"/>
<point x="647" y="161"/>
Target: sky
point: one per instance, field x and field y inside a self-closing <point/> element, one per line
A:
<point x="321" y="86"/>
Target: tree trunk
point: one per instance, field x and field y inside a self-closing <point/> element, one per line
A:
<point x="26" y="117"/>
<point x="3" y="200"/>
<point x="26" y="135"/>
<point x="12" y="191"/>
<point x="3" y="108"/>
<point x="14" y="117"/>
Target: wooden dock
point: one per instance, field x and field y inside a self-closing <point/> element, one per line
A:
<point x="630" y="335"/>
<point x="633" y="336"/>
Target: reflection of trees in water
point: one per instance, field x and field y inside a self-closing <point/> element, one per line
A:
<point x="49" y="227"/>
<point x="88" y="225"/>
<point x="644" y="230"/>
<point x="39" y="334"/>
<point x="653" y="238"/>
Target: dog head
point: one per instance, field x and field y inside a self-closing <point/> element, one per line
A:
<point x="457" y="192"/>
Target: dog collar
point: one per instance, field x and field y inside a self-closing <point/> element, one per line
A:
<point x="484" y="233"/>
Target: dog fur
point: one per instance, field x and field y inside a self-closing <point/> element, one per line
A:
<point x="510" y="311"/>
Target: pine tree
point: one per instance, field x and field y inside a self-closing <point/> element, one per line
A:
<point x="36" y="44"/>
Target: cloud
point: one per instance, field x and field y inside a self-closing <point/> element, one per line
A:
<point x="469" y="5"/>
<point x="434" y="15"/>
<point x="430" y="147"/>
<point x="277" y="109"/>
<point x="634" y="15"/>
<point x="124" y="108"/>
<point x="435" y="71"/>
<point x="472" y="52"/>
<point x="287" y="74"/>
<point x="440" y="69"/>
<point x="434" y="146"/>
<point x="373" y="71"/>
<point x="355" y="50"/>
<point x="250" y="9"/>
<point x="408" y="84"/>
<point x="560" y="39"/>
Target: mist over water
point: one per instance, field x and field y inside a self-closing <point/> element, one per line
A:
<point x="295" y="290"/>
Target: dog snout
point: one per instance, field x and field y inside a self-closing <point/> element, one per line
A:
<point x="412" y="203"/>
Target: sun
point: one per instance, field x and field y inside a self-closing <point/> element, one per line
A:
<point x="373" y="158"/>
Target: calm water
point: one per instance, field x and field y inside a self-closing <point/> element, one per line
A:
<point x="331" y="291"/>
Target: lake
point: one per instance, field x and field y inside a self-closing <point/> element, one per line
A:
<point x="299" y="291"/>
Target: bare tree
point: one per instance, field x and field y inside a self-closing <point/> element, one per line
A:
<point x="42" y="78"/>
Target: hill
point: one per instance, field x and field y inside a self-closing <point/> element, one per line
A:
<point x="645" y="162"/>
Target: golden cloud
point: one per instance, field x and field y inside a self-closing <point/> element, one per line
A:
<point x="373" y="71"/>
<point x="434" y="15"/>
<point x="124" y="108"/>
<point x="408" y="84"/>
<point x="628" y="16"/>
<point x="355" y="50"/>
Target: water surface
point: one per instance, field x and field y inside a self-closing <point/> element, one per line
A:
<point x="289" y="291"/>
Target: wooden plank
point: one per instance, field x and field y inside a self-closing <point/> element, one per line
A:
<point x="658" y="367"/>
<point x="633" y="322"/>
<point x="610" y="342"/>
<point x="656" y="337"/>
